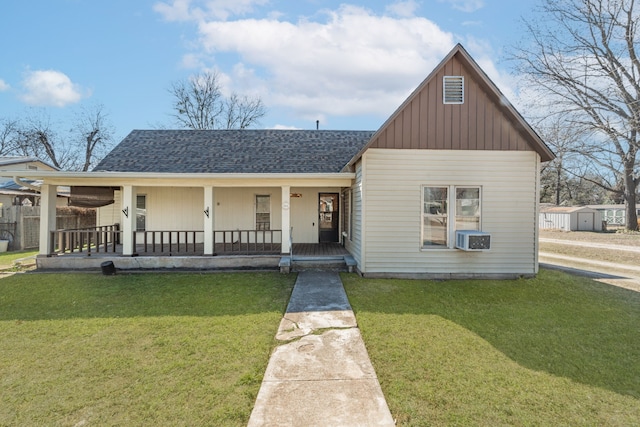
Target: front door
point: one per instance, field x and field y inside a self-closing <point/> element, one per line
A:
<point x="328" y="221"/>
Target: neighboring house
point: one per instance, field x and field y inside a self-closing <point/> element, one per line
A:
<point x="12" y="194"/>
<point x="456" y="156"/>
<point x="19" y="212"/>
<point x="578" y="218"/>
<point x="21" y="163"/>
<point x="613" y="215"/>
<point x="24" y="194"/>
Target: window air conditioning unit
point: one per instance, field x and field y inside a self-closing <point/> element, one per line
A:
<point x="469" y="240"/>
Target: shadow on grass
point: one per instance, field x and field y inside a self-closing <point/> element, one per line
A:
<point x="565" y="325"/>
<point x="66" y="296"/>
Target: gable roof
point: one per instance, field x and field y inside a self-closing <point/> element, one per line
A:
<point x="25" y="160"/>
<point x="422" y="122"/>
<point x="565" y="209"/>
<point x="235" y="151"/>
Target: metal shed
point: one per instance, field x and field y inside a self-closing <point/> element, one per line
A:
<point x="577" y="218"/>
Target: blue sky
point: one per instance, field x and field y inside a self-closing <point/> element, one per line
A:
<point x="348" y="64"/>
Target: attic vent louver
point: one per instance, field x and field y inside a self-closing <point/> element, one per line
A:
<point x="453" y="89"/>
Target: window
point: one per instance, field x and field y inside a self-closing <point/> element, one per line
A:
<point x="263" y="212"/>
<point x="434" y="223"/>
<point x="453" y="89"/>
<point x="436" y="214"/>
<point x="468" y="208"/>
<point x="351" y="214"/>
<point x="141" y="212"/>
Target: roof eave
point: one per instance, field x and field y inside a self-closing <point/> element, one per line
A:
<point x="84" y="178"/>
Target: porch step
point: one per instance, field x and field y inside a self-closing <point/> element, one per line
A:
<point x="305" y="263"/>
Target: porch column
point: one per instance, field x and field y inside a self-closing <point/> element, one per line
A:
<point x="128" y="219"/>
<point x="209" y="214"/>
<point x="48" y="195"/>
<point x="286" y="219"/>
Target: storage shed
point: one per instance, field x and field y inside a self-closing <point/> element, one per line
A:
<point x="577" y="218"/>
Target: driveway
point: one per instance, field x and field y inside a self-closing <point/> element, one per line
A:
<point x="621" y="275"/>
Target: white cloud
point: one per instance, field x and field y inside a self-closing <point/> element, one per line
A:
<point x="285" y="127"/>
<point x="4" y="86"/>
<point x="187" y="10"/>
<point x="465" y="5"/>
<point x="403" y="9"/>
<point x="50" y="87"/>
<point x="352" y="62"/>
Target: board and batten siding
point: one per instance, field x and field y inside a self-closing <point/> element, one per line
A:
<point x="392" y="201"/>
<point x="425" y="122"/>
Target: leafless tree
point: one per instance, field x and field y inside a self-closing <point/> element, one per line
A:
<point x="93" y="133"/>
<point x="555" y="177"/>
<point x="582" y="55"/>
<point x="199" y="103"/>
<point x="37" y="136"/>
<point x="8" y="135"/>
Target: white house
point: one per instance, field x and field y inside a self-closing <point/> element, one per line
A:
<point x="455" y="156"/>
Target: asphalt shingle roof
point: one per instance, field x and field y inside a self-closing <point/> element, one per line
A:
<point x="235" y="151"/>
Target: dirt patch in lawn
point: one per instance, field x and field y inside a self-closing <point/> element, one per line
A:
<point x="610" y="237"/>
<point x="608" y="255"/>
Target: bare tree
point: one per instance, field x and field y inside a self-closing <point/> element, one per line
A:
<point x="583" y="56"/>
<point x="8" y="135"/>
<point x="37" y="137"/>
<point x="199" y="103"/>
<point x="76" y="149"/>
<point x="94" y="134"/>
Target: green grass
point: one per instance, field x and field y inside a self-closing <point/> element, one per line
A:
<point x="554" y="350"/>
<point x="137" y="349"/>
<point x="7" y="259"/>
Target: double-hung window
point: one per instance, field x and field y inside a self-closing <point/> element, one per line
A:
<point x="444" y="206"/>
<point x="141" y="212"/>
<point x="263" y="212"/>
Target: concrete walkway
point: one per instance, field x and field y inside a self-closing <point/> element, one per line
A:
<point x="322" y="376"/>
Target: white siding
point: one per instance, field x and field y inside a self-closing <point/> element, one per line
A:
<point x="236" y="207"/>
<point x="110" y="214"/>
<point x="392" y="205"/>
<point x="555" y="221"/>
<point x="173" y="208"/>
<point x="304" y="212"/>
<point x="180" y="208"/>
<point x="354" y="244"/>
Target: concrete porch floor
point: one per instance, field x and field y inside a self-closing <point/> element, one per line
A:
<point x="194" y="258"/>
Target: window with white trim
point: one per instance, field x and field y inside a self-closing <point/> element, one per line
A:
<point x="263" y="212"/>
<point x="141" y="212"/>
<point x="446" y="205"/>
<point x="453" y="89"/>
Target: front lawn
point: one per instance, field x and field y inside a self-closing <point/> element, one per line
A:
<point x="554" y="350"/>
<point x="136" y="349"/>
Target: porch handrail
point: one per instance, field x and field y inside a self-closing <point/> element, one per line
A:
<point x="175" y="241"/>
<point x="108" y="239"/>
<point x="93" y="239"/>
<point x="247" y="241"/>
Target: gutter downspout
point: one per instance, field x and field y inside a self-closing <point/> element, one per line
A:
<point x="19" y="181"/>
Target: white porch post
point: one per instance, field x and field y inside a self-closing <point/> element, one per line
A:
<point x="209" y="219"/>
<point x="286" y="219"/>
<point x="48" y="195"/>
<point x="128" y="219"/>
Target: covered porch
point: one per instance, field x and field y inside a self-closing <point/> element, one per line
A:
<point x="197" y="223"/>
<point x="238" y="250"/>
